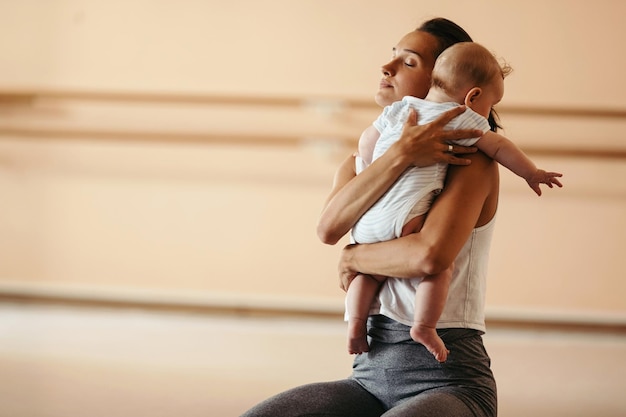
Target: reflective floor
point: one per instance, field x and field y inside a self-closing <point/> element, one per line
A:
<point x="88" y="362"/>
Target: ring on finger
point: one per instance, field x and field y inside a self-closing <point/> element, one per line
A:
<point x="450" y="148"/>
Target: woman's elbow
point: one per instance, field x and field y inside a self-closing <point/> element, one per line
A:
<point x="432" y="262"/>
<point x="326" y="234"/>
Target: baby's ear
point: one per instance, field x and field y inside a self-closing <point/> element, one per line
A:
<point x="472" y="95"/>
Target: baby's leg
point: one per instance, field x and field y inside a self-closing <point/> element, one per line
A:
<point x="359" y="298"/>
<point x="414" y="225"/>
<point x="430" y="299"/>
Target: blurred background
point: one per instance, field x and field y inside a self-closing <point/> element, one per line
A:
<point x="163" y="164"/>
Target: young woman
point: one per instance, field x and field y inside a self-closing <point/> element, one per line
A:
<point x="399" y="377"/>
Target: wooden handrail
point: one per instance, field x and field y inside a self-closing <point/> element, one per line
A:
<point x="9" y="96"/>
<point x="14" y="97"/>
<point x="157" y="301"/>
<point x="252" y="139"/>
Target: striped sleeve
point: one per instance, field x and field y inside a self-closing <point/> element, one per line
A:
<point x="469" y="120"/>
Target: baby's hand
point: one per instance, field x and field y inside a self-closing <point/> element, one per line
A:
<point x="542" y="177"/>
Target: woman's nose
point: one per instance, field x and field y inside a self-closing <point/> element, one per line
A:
<point x="387" y="69"/>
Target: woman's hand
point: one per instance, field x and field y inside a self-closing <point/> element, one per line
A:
<point x="346" y="271"/>
<point x="428" y="144"/>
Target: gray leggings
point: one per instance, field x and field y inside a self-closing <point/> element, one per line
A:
<point x="399" y="378"/>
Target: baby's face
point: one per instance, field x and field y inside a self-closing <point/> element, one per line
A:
<point x="491" y="95"/>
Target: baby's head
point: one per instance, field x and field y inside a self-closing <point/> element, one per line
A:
<point x="471" y="75"/>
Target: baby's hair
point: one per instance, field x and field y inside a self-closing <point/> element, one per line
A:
<point x="494" y="117"/>
<point x="449" y="33"/>
<point x="465" y="65"/>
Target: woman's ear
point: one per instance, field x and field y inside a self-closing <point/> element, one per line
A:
<point x="472" y="95"/>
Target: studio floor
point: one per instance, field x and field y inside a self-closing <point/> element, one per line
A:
<point x="69" y="361"/>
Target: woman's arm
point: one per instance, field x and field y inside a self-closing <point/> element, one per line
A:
<point x="469" y="199"/>
<point x="420" y="145"/>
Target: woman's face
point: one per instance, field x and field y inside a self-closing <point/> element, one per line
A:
<point x="408" y="72"/>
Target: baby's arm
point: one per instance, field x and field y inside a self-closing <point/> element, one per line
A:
<point x="367" y="142"/>
<point x="509" y="155"/>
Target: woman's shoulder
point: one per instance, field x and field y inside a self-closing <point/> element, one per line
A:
<point x="478" y="183"/>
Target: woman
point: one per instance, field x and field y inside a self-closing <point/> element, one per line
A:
<point x="399" y="377"/>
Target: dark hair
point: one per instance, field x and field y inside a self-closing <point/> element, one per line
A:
<point x="448" y="33"/>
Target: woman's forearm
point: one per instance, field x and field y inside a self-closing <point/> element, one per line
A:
<point x="353" y="196"/>
<point x="419" y="145"/>
<point x="459" y="208"/>
<point x="406" y="257"/>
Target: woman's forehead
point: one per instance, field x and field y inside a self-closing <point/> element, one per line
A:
<point x="418" y="42"/>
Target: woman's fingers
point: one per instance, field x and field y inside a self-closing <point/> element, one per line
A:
<point x="448" y="135"/>
<point x="459" y="149"/>
<point x="454" y="160"/>
<point x="447" y="116"/>
<point x="431" y="143"/>
<point x="412" y="119"/>
<point x="451" y="151"/>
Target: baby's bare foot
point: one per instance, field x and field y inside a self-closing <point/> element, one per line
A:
<point x="357" y="336"/>
<point x="428" y="337"/>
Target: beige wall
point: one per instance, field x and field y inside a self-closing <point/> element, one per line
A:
<point x="193" y="214"/>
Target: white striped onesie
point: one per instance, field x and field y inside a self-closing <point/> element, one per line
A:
<point x="412" y="194"/>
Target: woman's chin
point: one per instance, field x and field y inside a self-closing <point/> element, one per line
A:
<point x="383" y="98"/>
